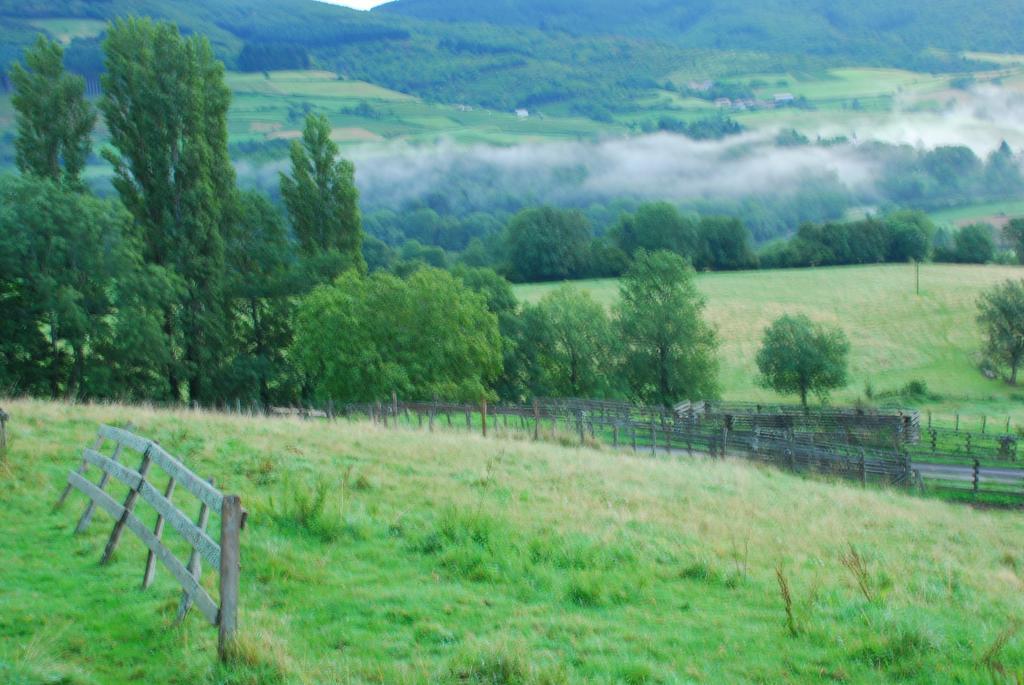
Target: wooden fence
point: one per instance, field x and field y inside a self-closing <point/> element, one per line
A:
<point x="222" y="554"/>
<point x="4" y="417"/>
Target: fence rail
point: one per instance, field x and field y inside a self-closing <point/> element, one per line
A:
<point x="222" y="554"/>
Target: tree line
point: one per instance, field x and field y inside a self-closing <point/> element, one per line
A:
<point x="184" y="288"/>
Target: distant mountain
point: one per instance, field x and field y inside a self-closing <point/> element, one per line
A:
<point x="825" y="27"/>
<point x="588" y="57"/>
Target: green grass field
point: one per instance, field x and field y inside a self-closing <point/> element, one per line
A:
<point x="448" y="558"/>
<point x="896" y="336"/>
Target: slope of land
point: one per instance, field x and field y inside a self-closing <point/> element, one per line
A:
<point x="447" y="558"/>
<point x="896" y="335"/>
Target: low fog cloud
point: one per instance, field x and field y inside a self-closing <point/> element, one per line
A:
<point x="669" y="166"/>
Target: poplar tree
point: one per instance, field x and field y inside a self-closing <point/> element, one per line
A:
<point x="165" y="104"/>
<point x="323" y="202"/>
<point x="53" y="119"/>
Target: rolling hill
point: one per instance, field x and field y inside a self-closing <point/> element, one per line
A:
<point x="453" y="560"/>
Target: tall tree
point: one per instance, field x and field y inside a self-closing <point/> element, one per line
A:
<point x="1013" y="232"/>
<point x="63" y="253"/>
<point x="1001" y="316"/>
<point x="165" y="104"/>
<point x="323" y="201"/>
<point x="547" y="244"/>
<point x="261" y="286"/>
<point x="669" y="350"/>
<point x="361" y="338"/>
<point x="802" y="357"/>
<point x="574" y="344"/>
<point x="54" y="120"/>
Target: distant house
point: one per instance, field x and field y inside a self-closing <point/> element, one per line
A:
<point x="723" y="102"/>
<point x="784" y="98"/>
<point x="700" y="86"/>
<point x="464" y="108"/>
<point x="523" y="113"/>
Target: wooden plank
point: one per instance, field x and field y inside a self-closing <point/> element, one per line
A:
<point x="188" y="582"/>
<point x="97" y="443"/>
<point x="203" y="491"/>
<point x="129" y="505"/>
<point x="177" y="569"/>
<point x="126" y="438"/>
<point x="129" y="477"/>
<point x="102" y="499"/>
<point x="158" y="531"/>
<point x="195" y="563"/>
<point x="83" y="522"/>
<point x="188" y="530"/>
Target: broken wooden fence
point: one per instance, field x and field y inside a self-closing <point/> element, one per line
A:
<point x="222" y="554"/>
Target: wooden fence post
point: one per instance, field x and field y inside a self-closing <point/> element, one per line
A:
<point x="956" y="426"/>
<point x="230" y="570"/>
<point x="158" y="531"/>
<point x="579" y="424"/>
<point x="3" y="433"/>
<point x="433" y="409"/>
<point x="536" y="420"/>
<point x="129" y="506"/>
<point x="975" y="481"/>
<point x="984" y="423"/>
<point x="195" y="563"/>
<point x="394" y="406"/>
<point x="483" y="417"/>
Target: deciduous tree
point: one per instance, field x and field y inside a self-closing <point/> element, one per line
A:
<point x="802" y="357"/>
<point x="53" y="119"/>
<point x="669" y="351"/>
<point x="1001" y="316"/>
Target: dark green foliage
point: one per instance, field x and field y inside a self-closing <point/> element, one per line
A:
<point x="54" y="121"/>
<point x="272" y="56"/>
<point x="68" y="263"/>
<point x="322" y="199"/>
<point x="709" y="128"/>
<point x="362" y="338"/>
<point x="669" y="351"/>
<point x="571" y="345"/>
<point x="898" y="237"/>
<point x="165" y="105"/>
<point x="1001" y="317"/>
<point x="1013" y="232"/>
<point x="547" y="244"/>
<point x="261" y="284"/>
<point x="802" y="357"/>
<point x="974" y="244"/>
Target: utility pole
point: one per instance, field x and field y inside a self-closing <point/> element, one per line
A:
<point x="917" y="271"/>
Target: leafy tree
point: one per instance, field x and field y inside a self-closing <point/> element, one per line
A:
<point x="910" y="234"/>
<point x="669" y="350"/>
<point x="63" y="253"/>
<point x="657" y="226"/>
<point x="1001" y="315"/>
<point x="972" y="244"/>
<point x="1013" y="232"/>
<point x="165" y="104"/>
<point x="53" y="119"/>
<point x="547" y="244"/>
<point x="262" y="281"/>
<point x="574" y="344"/>
<point x="802" y="357"/>
<point x="322" y="199"/>
<point x="363" y="337"/>
<point x="724" y="244"/>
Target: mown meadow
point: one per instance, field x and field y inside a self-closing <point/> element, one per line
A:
<point x="384" y="556"/>
<point x="897" y="336"/>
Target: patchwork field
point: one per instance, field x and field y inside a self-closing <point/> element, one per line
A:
<point x="446" y="558"/>
<point x="896" y="335"/>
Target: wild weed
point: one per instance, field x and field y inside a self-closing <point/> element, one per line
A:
<point x="858" y="567"/>
<point x="787" y="600"/>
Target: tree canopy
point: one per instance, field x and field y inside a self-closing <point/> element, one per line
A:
<point x="800" y="356"/>
<point x="1001" y="317"/>
<point x="53" y="119"/>
<point x="669" y="351"/>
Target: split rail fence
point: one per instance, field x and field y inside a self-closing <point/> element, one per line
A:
<point x="222" y="554"/>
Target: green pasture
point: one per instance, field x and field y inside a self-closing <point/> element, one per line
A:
<point x="450" y="559"/>
<point x="979" y="212"/>
<point x="896" y="335"/>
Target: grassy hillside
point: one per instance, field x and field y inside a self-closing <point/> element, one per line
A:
<point x="896" y="336"/>
<point x="445" y="558"/>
